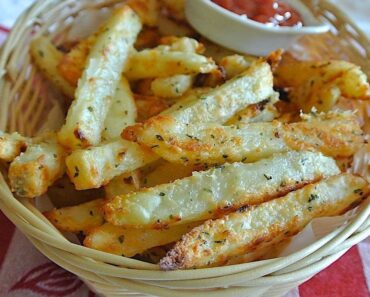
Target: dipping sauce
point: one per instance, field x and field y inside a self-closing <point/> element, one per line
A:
<point x="270" y="12"/>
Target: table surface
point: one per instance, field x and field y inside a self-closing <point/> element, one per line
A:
<point x="26" y="272"/>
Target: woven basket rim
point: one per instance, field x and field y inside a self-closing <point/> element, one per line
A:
<point x="295" y="267"/>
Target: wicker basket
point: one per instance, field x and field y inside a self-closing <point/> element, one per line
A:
<point x="24" y="106"/>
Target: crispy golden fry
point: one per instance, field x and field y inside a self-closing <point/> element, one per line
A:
<point x="215" y="51"/>
<point x="47" y="57"/>
<point x="78" y="218"/>
<point x="123" y="184"/>
<point x="235" y="64"/>
<point x="94" y="167"/>
<point x="334" y="134"/>
<point x="122" y="111"/>
<point x="173" y="86"/>
<point x="166" y="173"/>
<point x="183" y="44"/>
<point x="125" y="242"/>
<point x="73" y="63"/>
<point x="86" y="116"/>
<point x="211" y="193"/>
<point x="149" y="106"/>
<point x="243" y="232"/>
<point x="63" y="194"/>
<point x="162" y="62"/>
<point x="264" y="111"/>
<point x="148" y="10"/>
<point x="217" y="106"/>
<point x="32" y="172"/>
<point x="321" y="84"/>
<point x="12" y="145"/>
<point x="212" y="79"/>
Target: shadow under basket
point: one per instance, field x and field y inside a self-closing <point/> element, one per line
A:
<point x="25" y="104"/>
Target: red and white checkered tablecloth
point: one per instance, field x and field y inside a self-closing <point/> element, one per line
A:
<point x="26" y="272"/>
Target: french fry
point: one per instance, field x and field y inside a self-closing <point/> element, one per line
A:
<point x="86" y="116"/>
<point x="321" y="84"/>
<point x="78" y="218"/>
<point x="183" y="44"/>
<point x="217" y="106"/>
<point x="73" y="63"/>
<point x="161" y="62"/>
<point x="212" y="193"/>
<point x="235" y="64"/>
<point x="91" y="168"/>
<point x="123" y="184"/>
<point x="32" y="172"/>
<point x="166" y="173"/>
<point x="334" y="134"/>
<point x="171" y="87"/>
<point x="243" y="232"/>
<point x="264" y="111"/>
<point x="12" y="145"/>
<point x="47" y="57"/>
<point x="149" y="106"/>
<point x="129" y="242"/>
<point x="147" y="10"/>
<point x="122" y="111"/>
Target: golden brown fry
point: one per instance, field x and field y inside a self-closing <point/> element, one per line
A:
<point x="94" y="167"/>
<point x="149" y="106"/>
<point x="12" y="145"/>
<point x="166" y="173"/>
<point x="35" y="170"/>
<point x="123" y="184"/>
<point x="47" y="57"/>
<point x="78" y="218"/>
<point x="129" y="242"/>
<point x="243" y="232"/>
<point x="321" y="84"/>
<point x="85" y="119"/>
<point x="218" y="105"/>
<point x="264" y="111"/>
<point x="212" y="193"/>
<point x="334" y="134"/>
<point x="73" y="63"/>
<point x="148" y="10"/>
<point x="162" y="62"/>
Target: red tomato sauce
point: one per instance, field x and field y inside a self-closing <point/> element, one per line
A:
<point x="272" y="12"/>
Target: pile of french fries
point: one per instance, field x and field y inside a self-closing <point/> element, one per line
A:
<point x="205" y="158"/>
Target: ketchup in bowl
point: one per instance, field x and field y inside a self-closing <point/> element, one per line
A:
<point x="270" y="12"/>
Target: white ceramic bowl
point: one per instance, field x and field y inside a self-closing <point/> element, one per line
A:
<point x="246" y="36"/>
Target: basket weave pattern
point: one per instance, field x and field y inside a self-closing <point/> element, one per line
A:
<point x="25" y="102"/>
